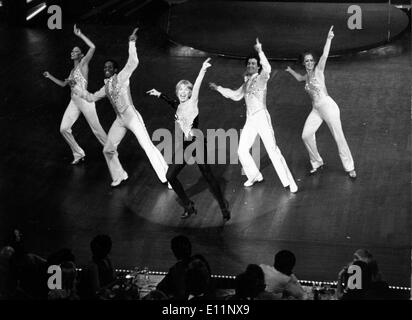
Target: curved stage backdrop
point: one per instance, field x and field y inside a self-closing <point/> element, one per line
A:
<point x="285" y="29"/>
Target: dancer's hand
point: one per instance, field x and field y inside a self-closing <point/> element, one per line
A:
<point x="154" y="92"/>
<point x="77" y="31"/>
<point x="258" y="46"/>
<point x="133" y="36"/>
<point x="206" y="64"/>
<point x="288" y="69"/>
<point x="331" y="34"/>
<point x="46" y="74"/>
<point x="213" y="86"/>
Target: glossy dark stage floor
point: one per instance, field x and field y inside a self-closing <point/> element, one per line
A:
<point x="57" y="205"/>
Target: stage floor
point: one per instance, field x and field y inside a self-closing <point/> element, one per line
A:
<point x="58" y="205"/>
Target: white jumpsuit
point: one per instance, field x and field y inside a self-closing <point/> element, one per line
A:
<point x="117" y="89"/>
<point x="73" y="111"/>
<point x="324" y="109"/>
<point x="258" y="122"/>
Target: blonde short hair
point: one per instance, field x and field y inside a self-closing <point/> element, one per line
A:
<point x="186" y="83"/>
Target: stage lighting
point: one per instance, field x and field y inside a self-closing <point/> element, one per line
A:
<point x="35" y="10"/>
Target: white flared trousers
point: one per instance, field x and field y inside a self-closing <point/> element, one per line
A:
<point x="76" y="107"/>
<point x="326" y="110"/>
<point x="72" y="113"/>
<point x="133" y="121"/>
<point x="260" y="124"/>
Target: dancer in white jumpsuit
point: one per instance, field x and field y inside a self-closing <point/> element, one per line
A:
<point x="258" y="121"/>
<point x="78" y="81"/>
<point x="117" y="90"/>
<point x="324" y="109"/>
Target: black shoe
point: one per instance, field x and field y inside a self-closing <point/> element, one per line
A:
<point x="226" y="212"/>
<point x="189" y="210"/>
<point x="317" y="170"/>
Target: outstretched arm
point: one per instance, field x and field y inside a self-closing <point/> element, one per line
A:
<point x="296" y="75"/>
<point x="132" y="61"/>
<point x="235" y="95"/>
<point x="326" y="48"/>
<point x="92" y="97"/>
<point x="172" y="102"/>
<point x="199" y="79"/>
<point x="86" y="59"/>
<point x="61" y="83"/>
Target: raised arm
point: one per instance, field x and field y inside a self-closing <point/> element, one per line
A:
<point x="296" y="75"/>
<point x="199" y="79"/>
<point x="132" y="61"/>
<point x="235" y="95"/>
<point x="86" y="59"/>
<point x="326" y="48"/>
<point x="266" y="68"/>
<point x="172" y="102"/>
<point x="60" y="83"/>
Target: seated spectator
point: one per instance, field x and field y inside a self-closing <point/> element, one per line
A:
<point x="375" y="288"/>
<point x="198" y="279"/>
<point x="68" y="290"/>
<point x="250" y="285"/>
<point x="99" y="274"/>
<point x="280" y="279"/>
<point x="6" y="287"/>
<point x="27" y="271"/>
<point x="173" y="284"/>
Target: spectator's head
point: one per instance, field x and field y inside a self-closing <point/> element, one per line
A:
<point x="366" y="275"/>
<point x="257" y="278"/>
<point x="201" y="257"/>
<point x="250" y="283"/>
<point x="101" y="246"/>
<point x="6" y="252"/>
<point x="181" y="247"/>
<point x="285" y="262"/>
<point x="362" y="255"/>
<point x="197" y="278"/>
<point x="16" y="241"/>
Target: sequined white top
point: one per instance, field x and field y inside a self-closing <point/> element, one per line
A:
<point x="315" y="85"/>
<point x="81" y="82"/>
<point x="187" y="111"/>
<point x="117" y="87"/>
<point x="254" y="88"/>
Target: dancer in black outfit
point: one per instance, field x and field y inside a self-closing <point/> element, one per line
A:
<point x="187" y="119"/>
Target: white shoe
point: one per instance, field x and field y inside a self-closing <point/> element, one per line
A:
<point x="293" y="187"/>
<point x="250" y="183"/>
<point x="78" y="160"/>
<point x="116" y="182"/>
